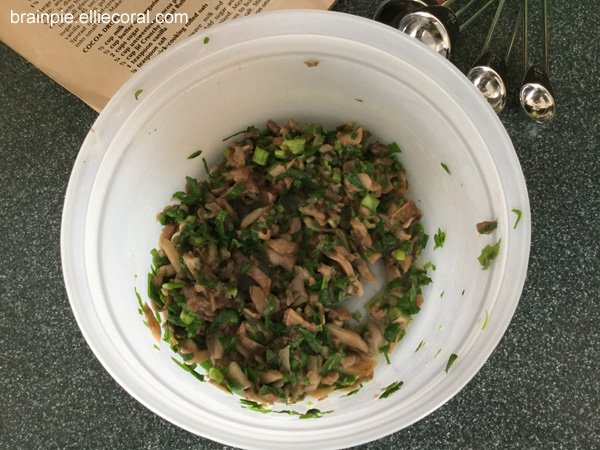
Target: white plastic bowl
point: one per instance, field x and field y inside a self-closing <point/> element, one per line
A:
<point x="252" y="70"/>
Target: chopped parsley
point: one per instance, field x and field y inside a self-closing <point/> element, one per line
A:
<point x="451" y="360"/>
<point x="391" y="389"/>
<point x="206" y="40"/>
<point x="445" y="167"/>
<point x="489" y="253"/>
<point x="518" y="213"/>
<point x="195" y="154"/>
<point x="312" y="413"/>
<point x="189" y="368"/>
<point x="137" y="93"/>
<point x="442" y="294"/>
<point x="395" y="148"/>
<point x="439" y="239"/>
<point x="355" y="391"/>
<point x="487" y="227"/>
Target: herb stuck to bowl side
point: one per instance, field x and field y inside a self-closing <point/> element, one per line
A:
<point x="253" y="262"/>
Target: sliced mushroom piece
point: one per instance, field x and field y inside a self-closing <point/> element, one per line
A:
<point x="215" y="349"/>
<point x="269" y="376"/>
<point x="189" y="346"/>
<point x="330" y="378"/>
<point x="360" y="233"/>
<point x="291" y="317"/>
<point x="348" y="337"/>
<point x="152" y="323"/>
<point x="259" y="298"/>
<point x="273" y="128"/>
<point x="339" y="314"/>
<point x="260" y="277"/>
<point x="169" y="248"/>
<point x="347" y="139"/>
<point x="282" y="246"/>
<point x="236" y="157"/>
<point x="362" y="368"/>
<point x="193" y="264"/>
<point x="252" y="217"/>
<point x="314" y="378"/>
<point x="314" y="212"/>
<point x="286" y="261"/>
<point x="242" y="174"/>
<point x="364" y="270"/>
<point x="342" y="260"/>
<point x="246" y="342"/>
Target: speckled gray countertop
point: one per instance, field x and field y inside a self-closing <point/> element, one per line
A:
<point x="539" y="389"/>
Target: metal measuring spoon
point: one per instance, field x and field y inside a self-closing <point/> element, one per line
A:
<point x="392" y="11"/>
<point x="536" y="94"/>
<point x="437" y="26"/>
<point x="489" y="72"/>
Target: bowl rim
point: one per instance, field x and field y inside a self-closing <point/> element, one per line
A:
<point x="121" y="106"/>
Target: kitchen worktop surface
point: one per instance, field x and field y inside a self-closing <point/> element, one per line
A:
<point x="539" y="389"/>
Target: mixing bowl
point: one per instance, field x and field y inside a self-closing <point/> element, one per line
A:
<point x="246" y="72"/>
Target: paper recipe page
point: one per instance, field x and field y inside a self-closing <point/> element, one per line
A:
<point x="92" y="47"/>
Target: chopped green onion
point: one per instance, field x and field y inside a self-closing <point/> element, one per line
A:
<point x="137" y="93"/>
<point x="296" y="146"/>
<point x="196" y="241"/>
<point x="445" y="167"/>
<point x="215" y="375"/>
<point x="172" y="286"/>
<point x="186" y="317"/>
<point x="260" y="156"/>
<point x="336" y="177"/>
<point x="394" y="148"/>
<point x="370" y="202"/>
<point x="236" y="191"/>
<point x="195" y="154"/>
<point x="518" y="213"/>
<point x="280" y="154"/>
<point x="400" y="254"/>
<point x="451" y="360"/>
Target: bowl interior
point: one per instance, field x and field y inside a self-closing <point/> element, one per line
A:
<point x="253" y="70"/>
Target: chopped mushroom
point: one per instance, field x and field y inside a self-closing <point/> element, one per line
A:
<point x="340" y="256"/>
<point x="348" y="337"/>
<point x="152" y="323"/>
<point x="253" y="261"/>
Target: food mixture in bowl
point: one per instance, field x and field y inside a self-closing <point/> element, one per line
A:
<point x="253" y="262"/>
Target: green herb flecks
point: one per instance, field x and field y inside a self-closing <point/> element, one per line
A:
<point x="439" y="239"/>
<point x="312" y="413"/>
<point x="442" y="294"/>
<point x="438" y="352"/>
<point x="391" y="389"/>
<point x="445" y="167"/>
<point x="206" y="40"/>
<point x="430" y="265"/>
<point x="189" y="368"/>
<point x="394" y="148"/>
<point x="487" y="227"/>
<point x="489" y="253"/>
<point x="518" y="213"/>
<point x="137" y="93"/>
<point x="485" y="322"/>
<point x="451" y="360"/>
<point x="195" y="154"/>
<point x="421" y="344"/>
<point x="354" y="392"/>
